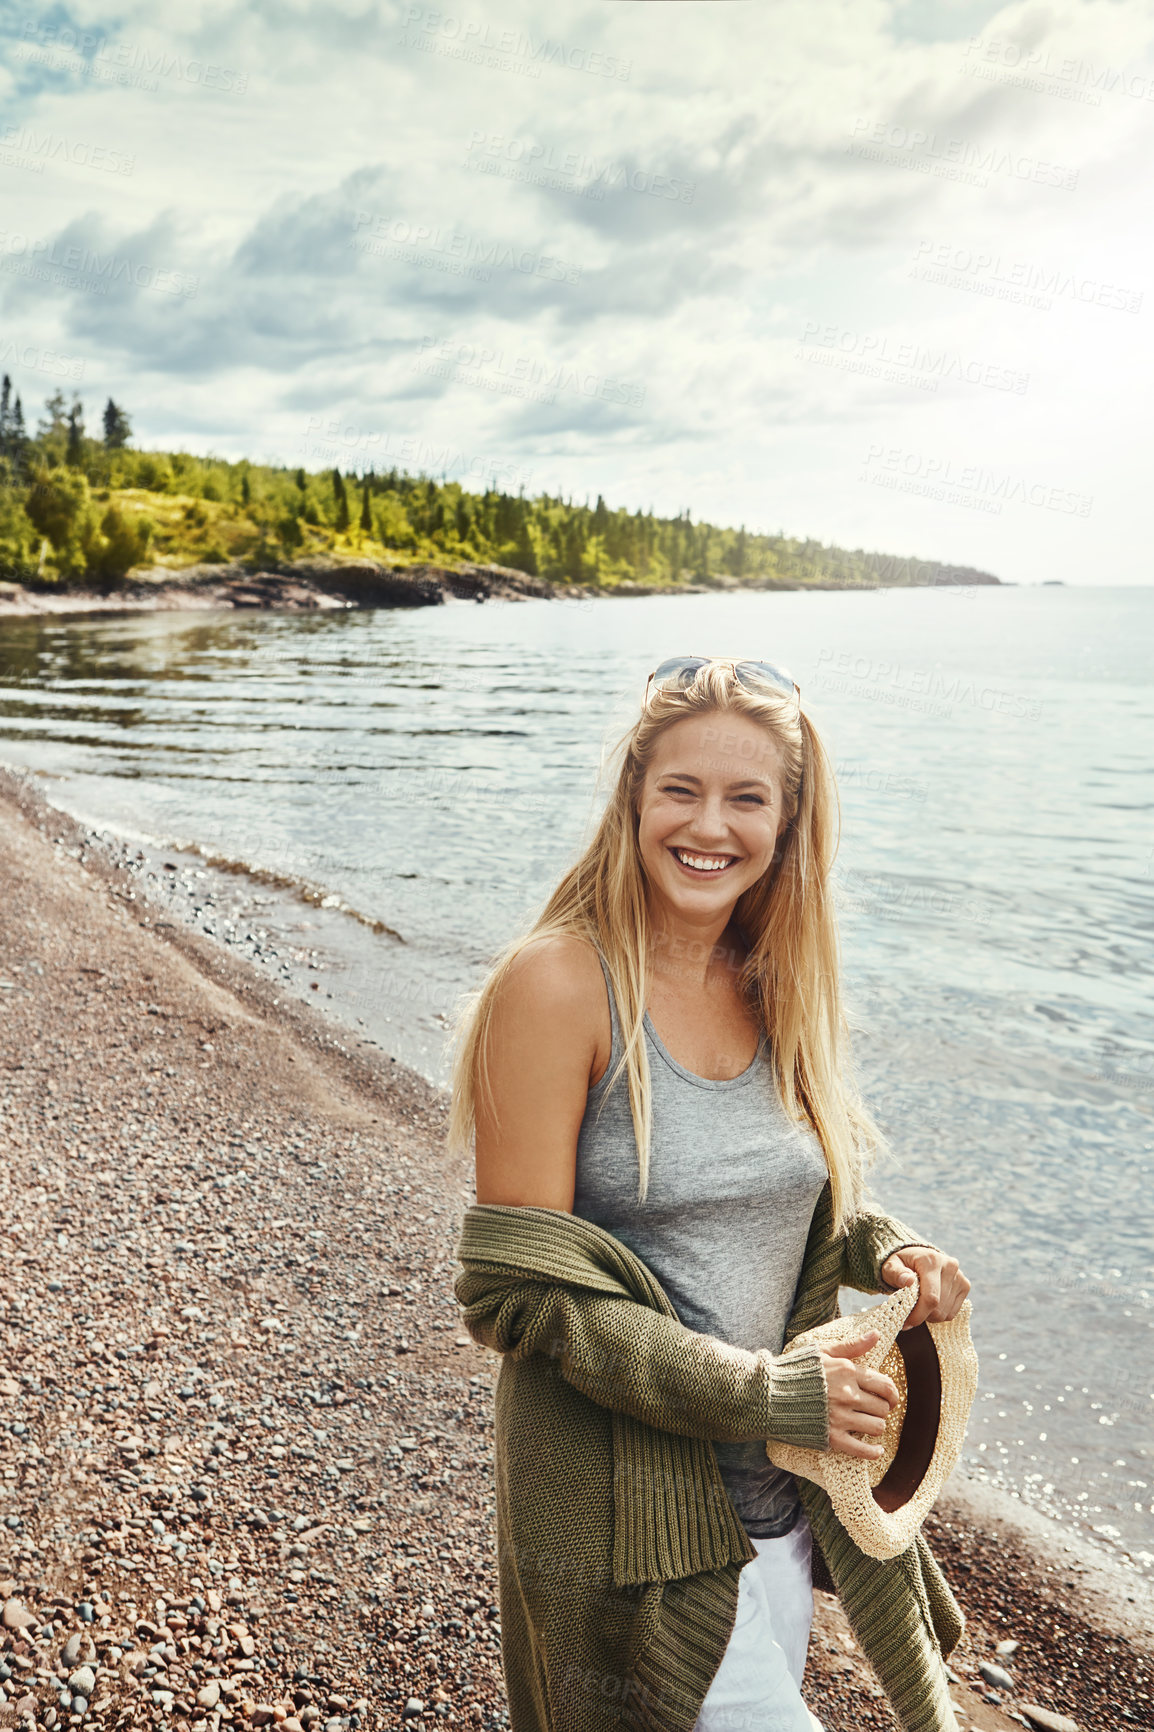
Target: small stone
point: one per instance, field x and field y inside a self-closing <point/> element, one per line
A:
<point x="80" y="1704"/>
<point x="262" y="1714"/>
<point x="1046" y="1719"/>
<point x="292" y="1724"/>
<point x="995" y="1677"/>
<point x="1007" y="1648"/>
<point x="83" y="1681"/>
<point x="412" y="1708"/>
<point x="428" y="1610"/>
<point x="72" y="1649"/>
<point x="209" y="1696"/>
<point x="18" y="1617"/>
<point x="85" y="1612"/>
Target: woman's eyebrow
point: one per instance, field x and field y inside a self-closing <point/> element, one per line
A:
<point x="748" y="782"/>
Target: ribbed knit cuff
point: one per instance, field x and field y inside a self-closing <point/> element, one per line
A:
<point x="798" y="1403"/>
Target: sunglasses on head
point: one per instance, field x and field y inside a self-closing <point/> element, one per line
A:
<point x="679" y="672"/>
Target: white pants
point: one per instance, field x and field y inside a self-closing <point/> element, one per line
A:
<point x="757" y="1687"/>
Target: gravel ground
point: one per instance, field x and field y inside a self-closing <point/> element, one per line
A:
<point x="244" y="1443"/>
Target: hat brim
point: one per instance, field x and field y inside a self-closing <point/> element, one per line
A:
<point x="882" y="1502"/>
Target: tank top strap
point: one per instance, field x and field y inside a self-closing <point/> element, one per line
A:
<point x="617" y="1046"/>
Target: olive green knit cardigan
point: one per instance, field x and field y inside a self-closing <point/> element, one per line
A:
<point x="618" y="1548"/>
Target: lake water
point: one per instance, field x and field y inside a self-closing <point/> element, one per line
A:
<point x="398" y="791"/>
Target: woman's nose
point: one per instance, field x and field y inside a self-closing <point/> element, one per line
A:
<point x="709" y="820"/>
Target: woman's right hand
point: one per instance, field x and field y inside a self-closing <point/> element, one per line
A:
<point x="859" y="1399"/>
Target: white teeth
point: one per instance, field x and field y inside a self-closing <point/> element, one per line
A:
<point x="703" y="862"/>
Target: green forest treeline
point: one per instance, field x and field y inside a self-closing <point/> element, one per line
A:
<point x="77" y="509"/>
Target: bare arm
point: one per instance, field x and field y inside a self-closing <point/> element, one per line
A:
<point x="550" y="1026"/>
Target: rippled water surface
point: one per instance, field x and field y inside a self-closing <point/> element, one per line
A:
<point x="432" y="773"/>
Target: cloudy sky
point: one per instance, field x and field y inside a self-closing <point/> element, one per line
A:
<point x="874" y="272"/>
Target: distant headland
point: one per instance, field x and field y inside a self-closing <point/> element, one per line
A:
<point x="93" y="523"/>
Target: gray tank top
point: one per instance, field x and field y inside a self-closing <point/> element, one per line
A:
<point x="733" y="1184"/>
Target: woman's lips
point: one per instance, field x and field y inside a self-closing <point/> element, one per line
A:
<point x="710" y="864"/>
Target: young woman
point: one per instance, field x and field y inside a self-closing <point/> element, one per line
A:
<point x="663" y="1056"/>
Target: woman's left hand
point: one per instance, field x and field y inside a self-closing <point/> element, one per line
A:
<point x="943" y="1286"/>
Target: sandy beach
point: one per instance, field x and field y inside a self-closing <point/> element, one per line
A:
<point x="244" y="1441"/>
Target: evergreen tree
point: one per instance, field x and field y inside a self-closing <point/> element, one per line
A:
<point x="13" y="436"/>
<point x="342" y="502"/>
<point x="74" y="452"/>
<point x="117" y="427"/>
<point x="245" y="491"/>
<point x="366" y="509"/>
<point x="739" y="554"/>
<point x="302" y="480"/>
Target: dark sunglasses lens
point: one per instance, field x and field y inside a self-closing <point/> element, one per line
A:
<point x="678" y="673"/>
<point x="764" y="673"/>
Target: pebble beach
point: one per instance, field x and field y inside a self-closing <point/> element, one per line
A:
<point x="244" y="1441"/>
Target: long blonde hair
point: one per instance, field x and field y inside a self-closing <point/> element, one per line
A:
<point x="791" y="975"/>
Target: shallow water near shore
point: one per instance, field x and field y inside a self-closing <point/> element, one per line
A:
<point x="398" y="791"/>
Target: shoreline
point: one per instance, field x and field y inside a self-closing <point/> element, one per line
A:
<point x="144" y="1072"/>
<point x="332" y="585"/>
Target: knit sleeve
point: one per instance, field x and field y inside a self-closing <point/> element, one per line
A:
<point x="626" y="1356"/>
<point x="870" y="1239"/>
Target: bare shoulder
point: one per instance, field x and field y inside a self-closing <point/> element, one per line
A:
<point x="557" y="972"/>
<point x="547" y="1040"/>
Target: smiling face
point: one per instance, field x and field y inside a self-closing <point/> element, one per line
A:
<point x="710" y="815"/>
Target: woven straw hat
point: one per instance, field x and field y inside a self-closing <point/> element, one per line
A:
<point x="883" y="1501"/>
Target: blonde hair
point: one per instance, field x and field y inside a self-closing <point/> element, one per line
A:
<point x="791" y="976"/>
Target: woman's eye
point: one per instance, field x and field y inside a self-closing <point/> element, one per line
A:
<point x="674" y="789"/>
<point x="756" y="798"/>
